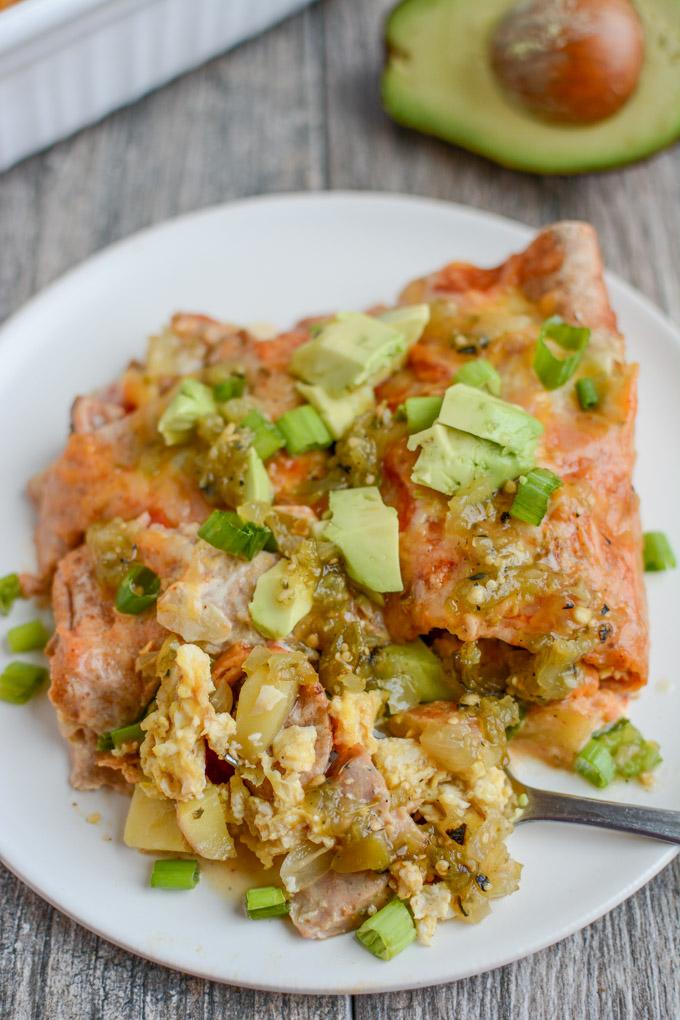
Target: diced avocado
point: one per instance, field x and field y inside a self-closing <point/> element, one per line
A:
<point x="348" y="351"/>
<point x="450" y="460"/>
<point x="367" y="534"/>
<point x="191" y="402"/>
<point x="258" y="488"/>
<point x="410" y="320"/>
<point x="481" y="414"/>
<point x="338" y="409"/>
<point x="412" y="674"/>
<point x="439" y="79"/>
<point x="282" y="596"/>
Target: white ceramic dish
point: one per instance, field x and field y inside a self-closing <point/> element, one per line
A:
<point x="66" y="63"/>
<point x="276" y="259"/>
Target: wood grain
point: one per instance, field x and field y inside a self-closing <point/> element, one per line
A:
<point x="298" y="109"/>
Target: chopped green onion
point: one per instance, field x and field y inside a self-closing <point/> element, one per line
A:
<point x="481" y="374"/>
<point x="10" y="591"/>
<point x="268" y="438"/>
<point x="420" y="412"/>
<point x="20" y="681"/>
<point x="587" y="393"/>
<point x="267" y="901"/>
<point x="28" y="637"/>
<point x="138" y="590"/>
<point x="531" y="502"/>
<point x="551" y="370"/>
<point x="595" y="764"/>
<point x="192" y="401"/>
<point x="657" y="553"/>
<point x="389" y="931"/>
<point x="229" y="388"/>
<point x="132" y="734"/>
<point x="225" y="530"/>
<point x="174" y="874"/>
<point x="303" y="429"/>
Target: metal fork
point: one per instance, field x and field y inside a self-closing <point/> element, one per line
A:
<point x="542" y="805"/>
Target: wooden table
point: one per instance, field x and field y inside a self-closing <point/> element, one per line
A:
<point x="298" y="109"/>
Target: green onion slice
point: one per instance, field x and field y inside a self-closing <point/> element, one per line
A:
<point x="550" y="369"/>
<point x="20" y="681"/>
<point x="481" y="374"/>
<point x="28" y="637"/>
<point x="531" y="502"/>
<point x="175" y="874"/>
<point x="267" y="901"/>
<point x="389" y="931"/>
<point x="587" y="393"/>
<point x="138" y="590"/>
<point x="10" y="591"/>
<point x="657" y="552"/>
<point x="595" y="764"/>
<point x="229" y="388"/>
<point x="420" y="412"/>
<point x="132" y="734"/>
<point x="268" y="439"/>
<point x="225" y="530"/>
<point x="303" y="429"/>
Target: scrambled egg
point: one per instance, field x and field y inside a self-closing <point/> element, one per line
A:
<point x="411" y="776"/>
<point x="430" y="906"/>
<point x="295" y="748"/>
<point x="354" y="714"/>
<point x="173" y="754"/>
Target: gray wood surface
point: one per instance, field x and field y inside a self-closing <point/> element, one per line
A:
<point x="298" y="109"/>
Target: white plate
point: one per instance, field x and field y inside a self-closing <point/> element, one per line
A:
<point x="276" y="259"/>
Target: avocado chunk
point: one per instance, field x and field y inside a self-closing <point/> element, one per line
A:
<point x="451" y="460"/>
<point x="352" y="349"/>
<point x="410" y="320"/>
<point x="340" y="408"/>
<point x="481" y="414"/>
<point x="367" y="534"/>
<point x="439" y="79"/>
<point x="282" y="596"/>
<point x="258" y="487"/>
<point x="191" y="402"/>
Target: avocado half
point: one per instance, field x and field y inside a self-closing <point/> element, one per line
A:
<point x="438" y="79"/>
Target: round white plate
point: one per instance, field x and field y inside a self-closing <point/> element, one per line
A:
<point x="276" y="259"/>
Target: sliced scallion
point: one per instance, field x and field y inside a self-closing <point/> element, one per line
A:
<point x="138" y="590"/>
<point x="229" y="388"/>
<point x="225" y="530"/>
<point x="20" y="681"/>
<point x="481" y="374"/>
<point x="420" y="412"/>
<point x="388" y="931"/>
<point x="174" y="874"/>
<point x="132" y="734"/>
<point x="10" y="591"/>
<point x="587" y="393"/>
<point x="533" y="494"/>
<point x="595" y="764"/>
<point x="267" y="438"/>
<point x="267" y="901"/>
<point x="303" y="429"/>
<point x="552" y="370"/>
<point x="657" y="552"/>
<point x="28" y="637"/>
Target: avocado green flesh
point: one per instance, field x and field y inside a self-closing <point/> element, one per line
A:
<point x="439" y="80"/>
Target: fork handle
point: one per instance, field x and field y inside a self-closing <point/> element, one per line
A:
<point x="661" y="823"/>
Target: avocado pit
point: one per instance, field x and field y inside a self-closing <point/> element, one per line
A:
<point x="573" y="61"/>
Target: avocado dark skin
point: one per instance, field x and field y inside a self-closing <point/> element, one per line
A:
<point x="439" y="79"/>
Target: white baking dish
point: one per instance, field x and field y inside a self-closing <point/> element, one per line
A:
<point x="66" y="63"/>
